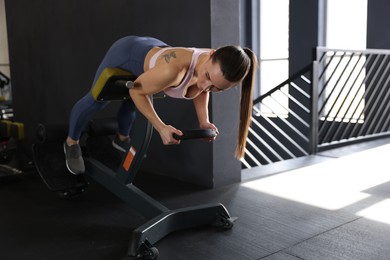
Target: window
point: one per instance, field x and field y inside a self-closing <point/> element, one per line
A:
<point x="273" y="51"/>
<point x="345" y="29"/>
<point x="346" y="23"/>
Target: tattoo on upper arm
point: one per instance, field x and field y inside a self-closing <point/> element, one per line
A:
<point x="168" y="56"/>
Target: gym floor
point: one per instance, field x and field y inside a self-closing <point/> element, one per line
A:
<point x="335" y="205"/>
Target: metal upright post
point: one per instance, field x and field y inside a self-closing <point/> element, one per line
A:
<point x="313" y="147"/>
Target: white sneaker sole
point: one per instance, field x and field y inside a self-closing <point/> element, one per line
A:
<point x="67" y="165"/>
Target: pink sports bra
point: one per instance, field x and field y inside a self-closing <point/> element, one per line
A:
<point x="181" y="90"/>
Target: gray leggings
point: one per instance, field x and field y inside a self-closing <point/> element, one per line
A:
<point x="129" y="54"/>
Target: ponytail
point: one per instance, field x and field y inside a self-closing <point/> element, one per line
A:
<point x="239" y="65"/>
<point x="246" y="104"/>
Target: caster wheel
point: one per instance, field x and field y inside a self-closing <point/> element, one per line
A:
<point x="148" y="251"/>
<point x="152" y="253"/>
<point x="225" y="222"/>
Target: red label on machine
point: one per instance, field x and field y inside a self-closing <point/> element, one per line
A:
<point x="129" y="158"/>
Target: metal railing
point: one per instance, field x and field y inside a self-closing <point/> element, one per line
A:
<point x="342" y="97"/>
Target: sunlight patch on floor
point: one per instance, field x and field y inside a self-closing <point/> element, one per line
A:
<point x="334" y="184"/>
<point x="378" y="212"/>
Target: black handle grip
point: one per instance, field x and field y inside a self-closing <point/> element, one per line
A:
<point x="196" y="134"/>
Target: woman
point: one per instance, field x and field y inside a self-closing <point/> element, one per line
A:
<point x="187" y="73"/>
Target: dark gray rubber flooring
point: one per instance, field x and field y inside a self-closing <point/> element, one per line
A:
<point x="331" y="209"/>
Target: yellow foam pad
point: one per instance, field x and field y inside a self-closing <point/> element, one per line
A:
<point x="5" y="128"/>
<point x="17" y="130"/>
<point x="105" y="76"/>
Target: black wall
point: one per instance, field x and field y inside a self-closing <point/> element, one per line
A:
<point x="303" y="38"/>
<point x="56" y="46"/>
<point x="378" y="20"/>
<point x="303" y="33"/>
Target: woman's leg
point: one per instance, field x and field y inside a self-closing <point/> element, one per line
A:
<point x="81" y="113"/>
<point x="86" y="107"/>
<point x="125" y="116"/>
<point x="127" y="53"/>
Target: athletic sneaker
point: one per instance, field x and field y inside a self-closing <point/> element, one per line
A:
<point x="122" y="146"/>
<point x="74" y="159"/>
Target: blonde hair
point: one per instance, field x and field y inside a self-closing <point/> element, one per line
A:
<point x="239" y="65"/>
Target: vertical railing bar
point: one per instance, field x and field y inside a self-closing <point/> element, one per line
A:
<point x="314" y="118"/>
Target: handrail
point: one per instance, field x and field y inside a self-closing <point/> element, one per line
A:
<point x="321" y="49"/>
<point x="287" y="81"/>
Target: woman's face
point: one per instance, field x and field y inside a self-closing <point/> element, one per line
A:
<point x="211" y="79"/>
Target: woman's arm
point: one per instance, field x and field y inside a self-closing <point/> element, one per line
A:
<point x="201" y="104"/>
<point x="147" y="84"/>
